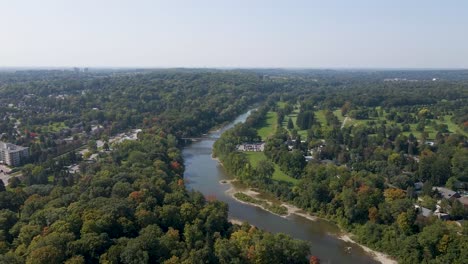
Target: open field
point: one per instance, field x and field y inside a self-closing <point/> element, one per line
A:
<point x="278" y="175"/>
<point x="338" y="114"/>
<point x="281" y="104"/>
<point x="453" y="127"/>
<point x="293" y="116"/>
<point x="269" y="126"/>
<point x="53" y="127"/>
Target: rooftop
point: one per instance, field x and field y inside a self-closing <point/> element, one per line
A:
<point x="446" y="193"/>
<point x="10" y="147"/>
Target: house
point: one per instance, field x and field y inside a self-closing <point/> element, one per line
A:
<point x="423" y="211"/>
<point x="442" y="216"/>
<point x="74" y="168"/>
<point x="464" y="200"/>
<point x="430" y="143"/>
<point x="428" y="213"/>
<point x="447" y="193"/>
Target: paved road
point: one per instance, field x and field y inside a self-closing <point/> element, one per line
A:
<point x="5" y="177"/>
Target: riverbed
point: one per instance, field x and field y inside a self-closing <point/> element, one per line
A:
<point x="205" y="174"/>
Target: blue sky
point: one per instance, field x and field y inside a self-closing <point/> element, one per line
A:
<point x="240" y="33"/>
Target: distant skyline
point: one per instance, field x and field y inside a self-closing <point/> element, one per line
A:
<point x="234" y="34"/>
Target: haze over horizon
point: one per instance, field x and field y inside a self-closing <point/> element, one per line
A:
<point x="234" y="34"/>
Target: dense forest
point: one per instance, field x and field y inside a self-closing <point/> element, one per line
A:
<point x="369" y="138"/>
<point x="130" y="204"/>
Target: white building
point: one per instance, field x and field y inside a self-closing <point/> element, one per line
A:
<point x="11" y="154"/>
<point x="255" y="147"/>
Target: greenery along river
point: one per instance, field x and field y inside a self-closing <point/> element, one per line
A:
<point x="205" y="174"/>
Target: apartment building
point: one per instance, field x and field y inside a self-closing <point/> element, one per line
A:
<point x="12" y="155"/>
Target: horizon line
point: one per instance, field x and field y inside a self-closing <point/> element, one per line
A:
<point x="230" y="68"/>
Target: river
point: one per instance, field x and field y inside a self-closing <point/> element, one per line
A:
<point x="204" y="174"/>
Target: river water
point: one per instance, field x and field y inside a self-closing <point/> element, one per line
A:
<point x="204" y="174"/>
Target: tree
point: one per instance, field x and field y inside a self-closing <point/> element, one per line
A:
<point x="227" y="251"/>
<point x="75" y="260"/>
<point x="460" y="163"/>
<point x="292" y="163"/>
<point x="404" y="223"/>
<point x="393" y="194"/>
<point x="440" y="170"/>
<point x="458" y="211"/>
<point x="305" y="120"/>
<point x="345" y="108"/>
<point x="290" y="124"/>
<point x="7" y="220"/>
<point x="427" y="188"/>
<point x="265" y="170"/>
<point x="373" y="214"/>
<point x="105" y="146"/>
<point x="451" y="183"/>
<point x="45" y="255"/>
<point x="92" y="146"/>
<point x="14" y="182"/>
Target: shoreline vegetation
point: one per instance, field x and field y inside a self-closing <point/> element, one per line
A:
<point x="249" y="197"/>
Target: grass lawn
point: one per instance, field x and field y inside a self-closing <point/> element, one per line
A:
<point x="338" y="114"/>
<point x="293" y="116"/>
<point x="452" y="126"/>
<point x="268" y="126"/>
<point x="278" y="175"/>
<point x="352" y="121"/>
<point x="281" y="104"/>
<point x="429" y="129"/>
<point x="54" y="127"/>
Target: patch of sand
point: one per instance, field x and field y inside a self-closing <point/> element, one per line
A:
<point x="379" y="256"/>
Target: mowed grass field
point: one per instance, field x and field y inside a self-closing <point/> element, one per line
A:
<point x="278" y="175"/>
<point x="452" y="127"/>
<point x="268" y="127"/>
<point x="293" y="116"/>
<point x="53" y="127"/>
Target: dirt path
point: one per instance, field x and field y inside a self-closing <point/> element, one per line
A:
<point x="344" y="122"/>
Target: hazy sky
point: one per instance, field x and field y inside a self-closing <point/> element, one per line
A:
<point x="237" y="33"/>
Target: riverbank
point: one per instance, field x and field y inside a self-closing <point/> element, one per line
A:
<point x="235" y="221"/>
<point x="379" y="256"/>
<point x="376" y="255"/>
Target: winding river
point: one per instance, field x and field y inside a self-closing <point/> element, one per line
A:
<point x="204" y="174"/>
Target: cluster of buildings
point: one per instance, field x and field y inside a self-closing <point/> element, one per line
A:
<point x="255" y="147"/>
<point x="12" y="155"/>
<point x="260" y="147"/>
<point x="446" y="194"/>
<point x="119" y="138"/>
